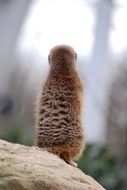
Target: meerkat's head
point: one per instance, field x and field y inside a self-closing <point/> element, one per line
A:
<point x="62" y="54"/>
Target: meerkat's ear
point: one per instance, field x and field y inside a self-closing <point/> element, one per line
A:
<point x="49" y="58"/>
<point x="76" y="56"/>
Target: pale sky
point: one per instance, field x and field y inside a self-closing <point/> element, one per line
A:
<point x="119" y="30"/>
<point x="52" y="22"/>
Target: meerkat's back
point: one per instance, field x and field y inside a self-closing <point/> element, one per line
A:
<point x="59" y="110"/>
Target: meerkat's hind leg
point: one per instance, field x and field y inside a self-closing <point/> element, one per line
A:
<point x="66" y="158"/>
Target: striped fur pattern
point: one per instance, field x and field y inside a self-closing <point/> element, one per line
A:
<point x="59" y="108"/>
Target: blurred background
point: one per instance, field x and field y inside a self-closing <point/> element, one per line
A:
<point x="97" y="29"/>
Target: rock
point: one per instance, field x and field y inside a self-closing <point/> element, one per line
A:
<point x="30" y="168"/>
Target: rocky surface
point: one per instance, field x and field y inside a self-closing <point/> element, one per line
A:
<point x="30" y="168"/>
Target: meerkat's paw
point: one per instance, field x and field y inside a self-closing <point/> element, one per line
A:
<point x="68" y="160"/>
<point x="73" y="164"/>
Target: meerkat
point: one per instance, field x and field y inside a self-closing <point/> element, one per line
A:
<point x="59" y="109"/>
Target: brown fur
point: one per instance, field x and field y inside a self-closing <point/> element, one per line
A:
<point x="59" y="109"/>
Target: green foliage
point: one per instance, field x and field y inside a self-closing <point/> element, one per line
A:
<point x="102" y="164"/>
<point x="17" y="134"/>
